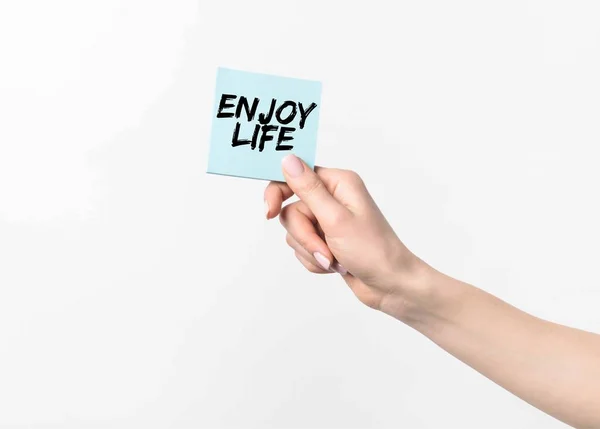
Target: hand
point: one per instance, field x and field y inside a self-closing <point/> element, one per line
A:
<point x="337" y="227"/>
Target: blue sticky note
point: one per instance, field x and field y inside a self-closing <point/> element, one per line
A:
<point x="258" y="119"/>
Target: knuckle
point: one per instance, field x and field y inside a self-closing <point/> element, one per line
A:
<point x="268" y="190"/>
<point x="284" y="214"/>
<point x="302" y="241"/>
<point x="289" y="240"/>
<point x="312" y="186"/>
<point x="353" y="178"/>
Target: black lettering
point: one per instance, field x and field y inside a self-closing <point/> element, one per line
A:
<point x="304" y="113"/>
<point x="266" y="119"/>
<point x="254" y="136"/>
<point x="291" y="115"/>
<point x="250" y="111"/>
<point x="235" y="141"/>
<point x="284" y="138"/>
<point x="224" y="105"/>
<point x="265" y="137"/>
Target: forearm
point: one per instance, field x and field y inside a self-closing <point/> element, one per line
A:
<point x="553" y="367"/>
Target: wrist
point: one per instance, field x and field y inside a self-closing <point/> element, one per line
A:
<point x="422" y="297"/>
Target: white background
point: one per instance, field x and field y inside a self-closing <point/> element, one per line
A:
<point x="137" y="291"/>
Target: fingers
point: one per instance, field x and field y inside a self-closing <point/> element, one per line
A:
<point x="346" y="187"/>
<point x="310" y="262"/>
<point x="309" y="187"/>
<point x="309" y="265"/>
<point x="275" y="194"/>
<point x="304" y="257"/>
<point x="299" y="222"/>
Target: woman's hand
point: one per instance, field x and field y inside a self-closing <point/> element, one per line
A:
<point x="337" y="227"/>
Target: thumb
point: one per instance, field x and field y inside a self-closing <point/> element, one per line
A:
<point x="309" y="187"/>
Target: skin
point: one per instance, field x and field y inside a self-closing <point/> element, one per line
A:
<point x="555" y="368"/>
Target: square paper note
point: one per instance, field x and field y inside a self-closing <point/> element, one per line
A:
<point x="258" y="119"/>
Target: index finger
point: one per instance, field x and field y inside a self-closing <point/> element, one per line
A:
<point x="275" y="194"/>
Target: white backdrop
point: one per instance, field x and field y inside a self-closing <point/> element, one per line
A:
<point x="137" y="291"/>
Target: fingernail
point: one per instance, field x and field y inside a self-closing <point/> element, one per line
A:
<point x="292" y="165"/>
<point x="322" y="260"/>
<point x="338" y="268"/>
<point x="267" y="209"/>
